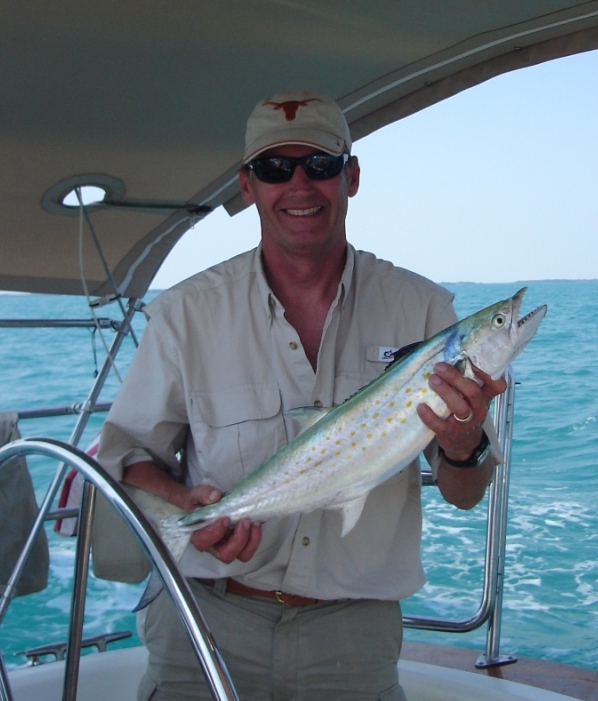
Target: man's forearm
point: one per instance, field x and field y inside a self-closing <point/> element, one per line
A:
<point x="151" y="477"/>
<point x="465" y="487"/>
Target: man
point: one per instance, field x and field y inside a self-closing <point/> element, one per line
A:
<point x="298" y="611"/>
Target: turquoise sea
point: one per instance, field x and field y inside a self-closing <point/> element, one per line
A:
<point x="551" y="581"/>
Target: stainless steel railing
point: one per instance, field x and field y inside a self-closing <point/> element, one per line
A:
<point x="97" y="479"/>
<point x="84" y="409"/>
<point x="490" y="608"/>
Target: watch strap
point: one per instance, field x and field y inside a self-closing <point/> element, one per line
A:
<point x="475" y="459"/>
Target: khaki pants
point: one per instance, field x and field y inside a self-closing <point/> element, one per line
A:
<point x="276" y="652"/>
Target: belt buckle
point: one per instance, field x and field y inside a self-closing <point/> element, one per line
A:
<point x="278" y="596"/>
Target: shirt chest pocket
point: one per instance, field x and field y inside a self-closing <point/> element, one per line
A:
<point x="236" y="430"/>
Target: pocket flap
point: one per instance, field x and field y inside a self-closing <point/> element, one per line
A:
<point x="238" y="404"/>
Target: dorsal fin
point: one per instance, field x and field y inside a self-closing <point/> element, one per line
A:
<point x="307" y="416"/>
<point x="403" y="352"/>
<point x="396" y="356"/>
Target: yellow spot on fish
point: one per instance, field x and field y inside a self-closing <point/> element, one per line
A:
<point x="389" y="420"/>
<point x="427" y="375"/>
<point x="391" y="404"/>
<point x="301" y="471"/>
<point x="338" y="452"/>
<point x="352" y="433"/>
<point x="383" y="434"/>
<point x="408" y="404"/>
<point x="354" y="444"/>
<point x="363" y="449"/>
<point x="403" y="421"/>
<point x="408" y="390"/>
<point x="322" y="452"/>
<point x="424" y="390"/>
<point x="362" y="426"/>
<point x="337" y="443"/>
<point x="368" y="435"/>
<point x="376" y="415"/>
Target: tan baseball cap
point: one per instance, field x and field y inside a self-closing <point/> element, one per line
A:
<point x="297" y="117"/>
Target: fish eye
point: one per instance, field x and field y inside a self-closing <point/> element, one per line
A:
<point x="499" y="320"/>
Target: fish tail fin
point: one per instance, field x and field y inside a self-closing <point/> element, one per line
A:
<point x="176" y="540"/>
<point x="151" y="591"/>
<point x="164" y="517"/>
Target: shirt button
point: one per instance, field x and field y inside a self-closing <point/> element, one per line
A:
<point x="293" y="345"/>
<point x="318" y="403"/>
<point x="305" y="541"/>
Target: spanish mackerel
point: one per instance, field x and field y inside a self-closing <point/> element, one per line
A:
<point x="346" y="451"/>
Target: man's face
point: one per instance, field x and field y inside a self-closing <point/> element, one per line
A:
<point x="302" y="215"/>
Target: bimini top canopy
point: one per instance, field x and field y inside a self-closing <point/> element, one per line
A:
<point x="148" y="100"/>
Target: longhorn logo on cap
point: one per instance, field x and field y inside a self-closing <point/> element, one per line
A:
<point x="290" y="107"/>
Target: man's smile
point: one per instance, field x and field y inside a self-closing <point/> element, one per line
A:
<point x="303" y="212"/>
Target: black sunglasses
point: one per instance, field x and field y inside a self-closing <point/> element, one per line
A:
<point x="280" y="169"/>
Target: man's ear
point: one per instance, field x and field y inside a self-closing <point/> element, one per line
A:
<point x="246" y="189"/>
<point x="353" y="173"/>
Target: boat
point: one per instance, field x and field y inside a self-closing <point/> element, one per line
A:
<point x="145" y="103"/>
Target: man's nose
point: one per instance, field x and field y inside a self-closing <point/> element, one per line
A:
<point x="300" y="179"/>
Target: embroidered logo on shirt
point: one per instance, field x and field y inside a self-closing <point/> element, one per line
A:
<point x="385" y="353"/>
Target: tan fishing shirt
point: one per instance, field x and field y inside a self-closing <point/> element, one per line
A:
<point x="217" y="368"/>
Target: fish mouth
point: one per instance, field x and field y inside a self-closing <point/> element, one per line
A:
<point x="524" y="329"/>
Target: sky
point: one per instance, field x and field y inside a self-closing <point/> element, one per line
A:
<point x="496" y="184"/>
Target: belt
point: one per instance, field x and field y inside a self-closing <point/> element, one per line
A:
<point x="235" y="587"/>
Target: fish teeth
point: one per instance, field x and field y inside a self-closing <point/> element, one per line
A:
<point x="527" y="316"/>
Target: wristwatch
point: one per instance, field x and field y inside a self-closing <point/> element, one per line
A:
<point x="475" y="459"/>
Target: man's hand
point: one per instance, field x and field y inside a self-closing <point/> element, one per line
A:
<point x="220" y="539"/>
<point x="466" y="399"/>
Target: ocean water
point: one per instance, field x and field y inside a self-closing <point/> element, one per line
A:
<point x="551" y="580"/>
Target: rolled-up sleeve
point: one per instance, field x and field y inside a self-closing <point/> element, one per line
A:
<point x="148" y="420"/>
